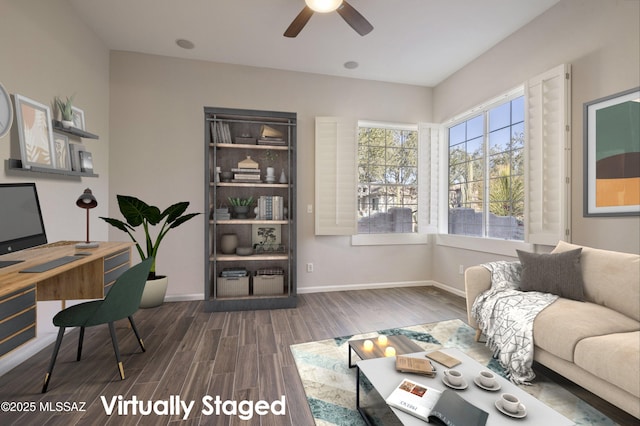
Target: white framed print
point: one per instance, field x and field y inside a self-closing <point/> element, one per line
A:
<point x="35" y="133"/>
<point x="78" y="118"/>
<point x="61" y="149"/>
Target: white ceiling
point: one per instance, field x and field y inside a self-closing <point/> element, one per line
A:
<point x="418" y="42"/>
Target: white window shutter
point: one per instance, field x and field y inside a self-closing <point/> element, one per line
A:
<point x="428" y="175"/>
<point x="336" y="176"/>
<point x="547" y="157"/>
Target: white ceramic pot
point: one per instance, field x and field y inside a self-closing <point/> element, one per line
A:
<point x="67" y="124"/>
<point x="154" y="292"/>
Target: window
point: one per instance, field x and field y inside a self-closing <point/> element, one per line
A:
<point x="486" y="173"/>
<point x="387" y="179"/>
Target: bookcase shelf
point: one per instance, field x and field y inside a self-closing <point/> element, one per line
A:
<point x="223" y="127"/>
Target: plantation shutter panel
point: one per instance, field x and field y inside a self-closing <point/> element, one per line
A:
<point x="547" y="157"/>
<point x="336" y="176"/>
<point x="428" y="175"/>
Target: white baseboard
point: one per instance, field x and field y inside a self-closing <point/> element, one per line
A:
<point x="372" y="286"/>
<point x="183" y="297"/>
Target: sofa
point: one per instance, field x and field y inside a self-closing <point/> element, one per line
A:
<point x="595" y="343"/>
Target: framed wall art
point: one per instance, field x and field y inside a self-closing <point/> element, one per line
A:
<point x="266" y="237"/>
<point x="61" y="149"/>
<point x="78" y="118"/>
<point x="612" y="155"/>
<point x="34" y="132"/>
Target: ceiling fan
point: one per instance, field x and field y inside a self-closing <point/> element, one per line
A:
<point x="348" y="13"/>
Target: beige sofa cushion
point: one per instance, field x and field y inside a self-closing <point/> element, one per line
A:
<point x="610" y="278"/>
<point x="564" y="323"/>
<point x="613" y="358"/>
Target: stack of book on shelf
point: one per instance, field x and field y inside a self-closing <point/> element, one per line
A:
<point x="271" y="207"/>
<point x="234" y="272"/>
<point x="220" y="132"/>
<point x="429" y="404"/>
<point x="271" y="136"/>
<point x="222" y="214"/>
<point x="241" y="175"/>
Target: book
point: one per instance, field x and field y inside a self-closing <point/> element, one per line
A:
<point x="429" y="404"/>
<point x="444" y="359"/>
<point x="407" y="364"/>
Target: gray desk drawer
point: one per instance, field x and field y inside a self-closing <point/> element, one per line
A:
<point x="17" y="319"/>
<point x="17" y="323"/>
<point x="18" y="301"/>
<point x="17" y="340"/>
<point x="116" y="260"/>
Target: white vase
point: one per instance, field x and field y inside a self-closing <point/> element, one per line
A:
<point x="67" y="124"/>
<point x="154" y="292"/>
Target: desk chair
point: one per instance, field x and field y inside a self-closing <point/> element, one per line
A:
<point x="122" y="300"/>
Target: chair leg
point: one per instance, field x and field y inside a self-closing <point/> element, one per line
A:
<point x="135" y="330"/>
<point x="80" y="339"/>
<point x="56" y="348"/>
<point x="114" y="340"/>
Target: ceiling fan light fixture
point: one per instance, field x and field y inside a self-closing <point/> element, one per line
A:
<point x="323" y="6"/>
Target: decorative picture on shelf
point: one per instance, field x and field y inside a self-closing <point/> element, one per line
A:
<point x="61" y="149"/>
<point x="78" y="118"/>
<point x="35" y="133"/>
<point x="612" y="155"/>
<point x="266" y="237"/>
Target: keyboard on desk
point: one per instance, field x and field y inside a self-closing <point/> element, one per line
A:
<point x="51" y="264"/>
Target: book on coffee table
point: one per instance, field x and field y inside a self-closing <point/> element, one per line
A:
<point x="429" y="404"/>
<point x="408" y="364"/>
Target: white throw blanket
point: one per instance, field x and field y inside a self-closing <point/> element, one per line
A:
<point x="505" y="315"/>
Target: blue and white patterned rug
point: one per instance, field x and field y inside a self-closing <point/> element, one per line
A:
<point x="330" y="384"/>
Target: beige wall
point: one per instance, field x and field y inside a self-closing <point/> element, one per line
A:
<point x="601" y="41"/>
<point x="46" y="51"/>
<point x="157" y="154"/>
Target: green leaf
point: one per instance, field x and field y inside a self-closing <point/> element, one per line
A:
<point x="136" y="211"/>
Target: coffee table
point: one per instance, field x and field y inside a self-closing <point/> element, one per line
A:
<point x="402" y="344"/>
<point x="377" y="378"/>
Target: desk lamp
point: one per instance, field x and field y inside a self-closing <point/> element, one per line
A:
<point x="87" y="201"/>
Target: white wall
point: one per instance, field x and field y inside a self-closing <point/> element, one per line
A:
<point x="157" y="154"/>
<point x="47" y="51"/>
<point x="601" y="41"/>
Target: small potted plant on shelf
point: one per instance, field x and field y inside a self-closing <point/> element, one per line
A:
<point x="66" y="111"/>
<point x="240" y="206"/>
<point x="136" y="213"/>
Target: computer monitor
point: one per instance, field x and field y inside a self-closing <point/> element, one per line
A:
<point x="21" y="224"/>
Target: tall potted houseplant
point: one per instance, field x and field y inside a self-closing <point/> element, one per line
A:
<point x="138" y="213"/>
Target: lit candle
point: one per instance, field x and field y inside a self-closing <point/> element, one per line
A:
<point x="390" y="351"/>
<point x="368" y="345"/>
<point x="382" y="340"/>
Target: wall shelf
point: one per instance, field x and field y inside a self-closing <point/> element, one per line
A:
<point x="74" y="131"/>
<point x="16" y="165"/>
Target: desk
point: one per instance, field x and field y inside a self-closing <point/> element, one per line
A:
<point x="89" y="277"/>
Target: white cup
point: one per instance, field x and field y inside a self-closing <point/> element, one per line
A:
<point x="487" y="379"/>
<point x="510" y="402"/>
<point x="454" y="377"/>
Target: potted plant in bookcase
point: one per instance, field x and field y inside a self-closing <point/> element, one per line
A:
<point x="138" y="213"/>
<point x="66" y="111"/>
<point x="240" y="206"/>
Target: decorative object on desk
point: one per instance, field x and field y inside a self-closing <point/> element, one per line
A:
<point x="6" y="111"/>
<point x="78" y="118"/>
<point x="136" y="213"/>
<point x="240" y="206"/>
<point x="611" y="155"/>
<point x="66" y="111"/>
<point x="35" y="133"/>
<point x="61" y="148"/>
<point x="87" y="201"/>
<point x="228" y="243"/>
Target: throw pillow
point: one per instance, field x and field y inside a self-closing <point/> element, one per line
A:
<point x="555" y="273"/>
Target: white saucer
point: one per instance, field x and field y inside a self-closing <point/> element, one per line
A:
<point x="522" y="410"/>
<point x="493" y="388"/>
<point x="464" y="384"/>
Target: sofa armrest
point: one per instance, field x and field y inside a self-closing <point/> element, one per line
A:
<point x="476" y="280"/>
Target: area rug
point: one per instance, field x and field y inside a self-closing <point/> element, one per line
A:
<point x="330" y="384"/>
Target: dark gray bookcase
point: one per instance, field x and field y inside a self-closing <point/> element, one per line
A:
<point x="231" y="136"/>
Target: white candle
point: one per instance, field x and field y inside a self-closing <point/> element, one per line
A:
<point x="382" y="340"/>
<point x="368" y="345"/>
<point x="390" y="351"/>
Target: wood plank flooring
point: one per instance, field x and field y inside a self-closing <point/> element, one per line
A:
<point x="193" y="354"/>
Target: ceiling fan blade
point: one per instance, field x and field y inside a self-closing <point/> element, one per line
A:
<point x="299" y="22"/>
<point x="355" y="19"/>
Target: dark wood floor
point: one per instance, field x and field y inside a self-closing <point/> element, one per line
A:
<point x="191" y="354"/>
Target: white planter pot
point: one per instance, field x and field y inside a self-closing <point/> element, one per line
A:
<point x="154" y="292"/>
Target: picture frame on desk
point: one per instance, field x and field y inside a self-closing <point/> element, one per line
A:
<point x="34" y="133"/>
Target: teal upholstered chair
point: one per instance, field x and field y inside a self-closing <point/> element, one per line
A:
<point x="122" y="300"/>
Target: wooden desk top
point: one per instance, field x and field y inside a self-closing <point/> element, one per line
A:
<point x="11" y="279"/>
